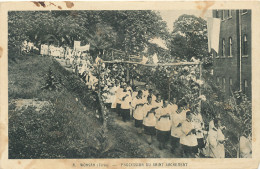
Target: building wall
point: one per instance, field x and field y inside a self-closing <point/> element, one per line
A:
<point x="247" y="59"/>
<point x="226" y="67"/>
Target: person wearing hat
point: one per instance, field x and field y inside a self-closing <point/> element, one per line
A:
<point x="163" y="124"/>
<point x="138" y="102"/>
<point x="188" y="139"/>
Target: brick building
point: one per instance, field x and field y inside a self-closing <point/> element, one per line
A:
<point x="233" y="60"/>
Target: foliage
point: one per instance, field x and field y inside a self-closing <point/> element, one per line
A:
<point x="124" y="30"/>
<point x="56" y="131"/>
<point x="189" y="38"/>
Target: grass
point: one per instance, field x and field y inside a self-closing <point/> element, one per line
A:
<point x="59" y="130"/>
<point x="68" y="127"/>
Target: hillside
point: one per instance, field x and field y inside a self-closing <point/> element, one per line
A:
<point x="63" y="122"/>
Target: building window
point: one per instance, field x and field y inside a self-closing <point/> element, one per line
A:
<point x="230" y="47"/>
<point x="229" y="15"/>
<point x="217" y="14"/>
<point x="223" y="48"/>
<point x="245" y="46"/>
<point x="224" y="84"/>
<point x="244" y="11"/>
<point x="222" y="15"/>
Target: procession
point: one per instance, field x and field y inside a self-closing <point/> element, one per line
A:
<point x="169" y="121"/>
<point x="133" y="91"/>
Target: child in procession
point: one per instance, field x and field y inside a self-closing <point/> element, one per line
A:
<point x="163" y="124"/>
<point x="118" y="99"/>
<point x="188" y="139"/>
<point x="215" y="142"/>
<point x="145" y="91"/>
<point x="177" y="118"/>
<point x="199" y="126"/>
<point x="126" y="99"/>
<point x="157" y="102"/>
<point x="138" y="102"/>
<point x="150" y="93"/>
<point x="149" y="120"/>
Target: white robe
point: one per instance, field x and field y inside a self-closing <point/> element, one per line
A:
<point x="245" y="146"/>
<point x="138" y="110"/>
<point x="214" y="148"/>
<point x="150" y="120"/>
<point x="125" y="103"/>
<point x="188" y="139"/>
<point x="198" y="125"/>
<point x="177" y="118"/>
<point x="114" y="96"/>
<point x="145" y="93"/>
<point x="163" y="123"/>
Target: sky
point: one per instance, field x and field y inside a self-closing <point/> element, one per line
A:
<point x="171" y="15"/>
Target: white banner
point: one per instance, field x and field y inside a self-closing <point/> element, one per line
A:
<point x="76" y="44"/>
<point x="213" y="25"/>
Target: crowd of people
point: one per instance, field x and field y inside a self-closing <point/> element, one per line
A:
<point x="169" y="121"/>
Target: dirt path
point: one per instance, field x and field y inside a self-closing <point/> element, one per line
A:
<point x="132" y="134"/>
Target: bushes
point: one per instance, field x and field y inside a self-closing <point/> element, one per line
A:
<point x="57" y="129"/>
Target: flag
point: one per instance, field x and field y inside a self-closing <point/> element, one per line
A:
<point x="76" y="44"/>
<point x="213" y="25"/>
<point x="81" y="48"/>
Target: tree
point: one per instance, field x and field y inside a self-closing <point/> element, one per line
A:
<point x="135" y="28"/>
<point x="189" y="38"/>
<point x="128" y="31"/>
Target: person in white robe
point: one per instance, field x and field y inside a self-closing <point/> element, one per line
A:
<point x="163" y="124"/>
<point x="145" y="91"/>
<point x="150" y="93"/>
<point x="149" y="120"/>
<point x="188" y="139"/>
<point x="215" y="142"/>
<point x="119" y="100"/>
<point x="157" y="100"/>
<point x="114" y="90"/>
<point x="109" y="94"/>
<point x="177" y="118"/>
<point x="200" y="129"/>
<point x="126" y="99"/>
<point x="245" y="146"/>
<point x="135" y="92"/>
<point x="138" y="102"/>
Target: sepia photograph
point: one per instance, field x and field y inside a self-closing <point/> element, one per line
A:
<point x="129" y="84"/>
